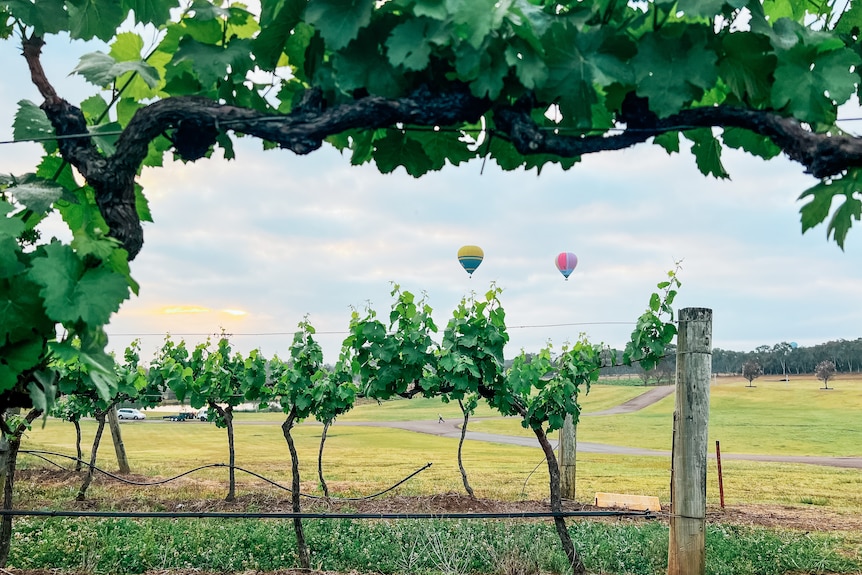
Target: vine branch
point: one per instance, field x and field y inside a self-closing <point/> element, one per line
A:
<point x="195" y="122"/>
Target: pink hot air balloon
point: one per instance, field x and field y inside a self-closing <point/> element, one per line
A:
<point x="566" y="263"/>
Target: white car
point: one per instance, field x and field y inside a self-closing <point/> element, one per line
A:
<point x="129" y="413"/>
<point x="203" y="414"/>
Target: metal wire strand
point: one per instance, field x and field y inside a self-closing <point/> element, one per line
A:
<point x="41" y="454"/>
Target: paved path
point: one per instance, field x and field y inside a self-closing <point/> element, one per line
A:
<point x="637" y="403"/>
<point x="451" y="429"/>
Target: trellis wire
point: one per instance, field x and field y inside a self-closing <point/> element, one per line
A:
<point x="41" y="454"/>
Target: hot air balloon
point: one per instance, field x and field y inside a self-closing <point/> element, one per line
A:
<point x="470" y="257"/>
<point x="566" y="263"/>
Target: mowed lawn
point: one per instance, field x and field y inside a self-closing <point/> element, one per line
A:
<point x="793" y="418"/>
<point x="772" y="418"/>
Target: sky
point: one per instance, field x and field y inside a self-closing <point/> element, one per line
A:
<point x="254" y="245"/>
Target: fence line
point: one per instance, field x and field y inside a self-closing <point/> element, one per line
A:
<point x="288" y="515"/>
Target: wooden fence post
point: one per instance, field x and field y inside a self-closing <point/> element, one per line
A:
<point x="117" y="436"/>
<point x="687" y="546"/>
<point x="568" y="448"/>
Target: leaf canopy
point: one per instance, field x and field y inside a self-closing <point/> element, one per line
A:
<point x="412" y="84"/>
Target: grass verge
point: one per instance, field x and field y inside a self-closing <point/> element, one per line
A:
<point x="125" y="546"/>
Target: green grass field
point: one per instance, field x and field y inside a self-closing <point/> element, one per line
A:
<point x="773" y="418"/>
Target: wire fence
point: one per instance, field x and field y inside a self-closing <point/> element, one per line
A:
<point x="46" y="456"/>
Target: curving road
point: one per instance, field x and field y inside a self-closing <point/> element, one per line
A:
<point x="451" y="429"/>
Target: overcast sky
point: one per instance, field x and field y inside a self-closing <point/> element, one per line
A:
<point x="253" y="245"/>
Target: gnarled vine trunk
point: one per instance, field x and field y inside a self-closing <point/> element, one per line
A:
<point x="301" y="547"/>
<point x="460" y="446"/>
<point x="100" y="418"/>
<point x="8" y="461"/>
<point x="226" y="413"/>
<point x="320" y="459"/>
<point x="557" y="504"/>
<point x="80" y="461"/>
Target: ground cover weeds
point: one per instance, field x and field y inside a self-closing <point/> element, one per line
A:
<point x="448" y="547"/>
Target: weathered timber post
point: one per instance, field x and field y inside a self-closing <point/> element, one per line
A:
<point x="687" y="546"/>
<point x="568" y="452"/>
<point x="119" y="446"/>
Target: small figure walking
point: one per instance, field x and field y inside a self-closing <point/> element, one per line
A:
<point x="439" y="418"/>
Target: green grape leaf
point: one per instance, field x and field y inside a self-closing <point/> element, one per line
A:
<point x="477" y="18"/>
<point x="815" y="211"/>
<point x="777" y="9"/>
<point x="119" y="262"/>
<point x="43" y="389"/>
<point x="208" y="11"/>
<point x="241" y="23"/>
<point x="94" y="108"/>
<point x="504" y="153"/>
<point x="37" y="195"/>
<point x="530" y="23"/>
<point x="212" y="63"/>
<point x="539" y="161"/>
<point x="529" y="65"/>
<point x="10" y="227"/>
<point x="408" y="45"/>
<point x="142" y="205"/>
<point x="54" y="169"/>
<point x="72" y="293"/>
<point x="90" y="19"/>
<point x="126" y="47"/>
<point x="842" y="220"/>
<point x="822" y="197"/>
<point x="578" y="62"/>
<point x="492" y="71"/>
<point x="276" y="30"/>
<point x="672" y="71"/>
<point x="441" y="145"/>
<point x="269" y="10"/>
<point x="707" y="152"/>
<point x="31" y="123"/>
<point x="669" y="141"/>
<point x="362" y="145"/>
<point x="101" y="247"/>
<point x="850" y="21"/>
<point x="23" y="355"/>
<point x="701" y="8"/>
<point x="137" y="87"/>
<point x="46" y="16"/>
<point x="396" y="149"/>
<point x="101" y="70"/>
<point x="156" y="155"/>
<point x="435" y="9"/>
<point x="100" y="370"/>
<point x="155" y="12"/>
<point x="22" y="310"/>
<point x="339" y="21"/>
<point x="126" y="108"/>
<point x="809" y="85"/>
<point x="301" y="50"/>
<point x="9" y="262"/>
<point x="747" y="65"/>
<point x="752" y="143"/>
<point x="363" y="67"/>
<point x="8" y="376"/>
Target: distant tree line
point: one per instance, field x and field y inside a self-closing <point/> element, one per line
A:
<point x="780" y="359"/>
<point x="785" y="358"/>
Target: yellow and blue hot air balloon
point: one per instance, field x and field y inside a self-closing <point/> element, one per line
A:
<point x="566" y="263"/>
<point x="470" y="257"/>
